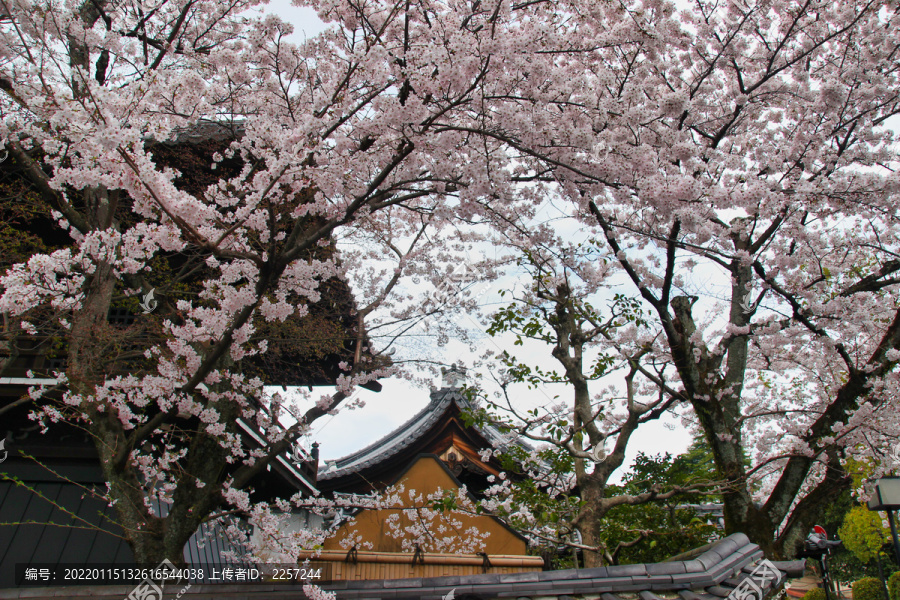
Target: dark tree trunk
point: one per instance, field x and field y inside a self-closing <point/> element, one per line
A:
<point x="590" y="527"/>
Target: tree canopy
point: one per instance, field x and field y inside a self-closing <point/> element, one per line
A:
<point x="730" y="163"/>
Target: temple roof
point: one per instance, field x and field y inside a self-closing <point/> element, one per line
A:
<point x="435" y="429"/>
<point x="730" y="563"/>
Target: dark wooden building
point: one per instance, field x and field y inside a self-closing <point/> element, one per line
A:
<point x="48" y="511"/>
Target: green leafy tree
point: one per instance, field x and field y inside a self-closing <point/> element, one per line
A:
<point x="655" y="531"/>
<point x="629" y="532"/>
<point x="863" y="533"/>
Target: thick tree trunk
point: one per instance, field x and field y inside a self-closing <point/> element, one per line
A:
<point x="589" y="525"/>
<point x="86" y="370"/>
<point x="742" y="516"/>
<point x="91" y="343"/>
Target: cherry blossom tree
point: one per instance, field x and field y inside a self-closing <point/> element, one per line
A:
<point x="366" y="133"/>
<point x="732" y="161"/>
<point x="733" y="165"/>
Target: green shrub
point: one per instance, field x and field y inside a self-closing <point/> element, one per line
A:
<point x="815" y="594"/>
<point x="863" y="533"/>
<point x="894" y="585"/>
<point x="868" y="588"/>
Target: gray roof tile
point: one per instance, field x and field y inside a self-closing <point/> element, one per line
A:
<point x="666" y="568"/>
<point x="624" y="586"/>
<point x="447" y="580"/>
<point x="591" y="573"/>
<point x="523" y="577"/>
<point x="524" y="588"/>
<point x="561" y="574"/>
<point x="658" y="582"/>
<point x="411" y="582"/>
<point x="626" y="570"/>
<point x="708" y="560"/>
<point x="694" y="580"/>
<point x="580" y="585"/>
<point x="485" y="578"/>
<point x="694" y="566"/>
<point x="490" y="590"/>
<point x="699" y="579"/>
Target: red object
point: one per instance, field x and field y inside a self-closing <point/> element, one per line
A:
<point x="820" y="530"/>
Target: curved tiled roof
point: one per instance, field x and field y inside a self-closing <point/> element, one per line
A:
<point x="405" y="435"/>
<point x="713" y="575"/>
